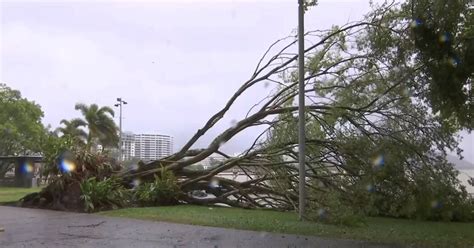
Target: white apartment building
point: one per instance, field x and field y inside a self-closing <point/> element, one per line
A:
<point x="146" y="147"/>
<point x="128" y="146"/>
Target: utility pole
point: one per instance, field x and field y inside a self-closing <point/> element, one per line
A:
<point x="119" y="104"/>
<point x="301" y="115"/>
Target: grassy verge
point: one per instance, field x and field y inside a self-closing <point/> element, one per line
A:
<point x="9" y="195"/>
<point x="430" y="234"/>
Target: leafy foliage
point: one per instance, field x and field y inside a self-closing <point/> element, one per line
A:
<point x="53" y="148"/>
<point x="101" y="126"/>
<point x="331" y="206"/>
<point x="162" y="191"/>
<point x="376" y="149"/>
<point x="72" y="129"/>
<point x="435" y="40"/>
<point x="21" y="130"/>
<point x="444" y="42"/>
<point x="103" y="194"/>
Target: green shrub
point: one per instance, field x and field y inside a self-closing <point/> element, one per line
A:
<point x="334" y="208"/>
<point x="164" y="190"/>
<point x="103" y="194"/>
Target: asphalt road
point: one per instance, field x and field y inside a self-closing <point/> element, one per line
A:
<point x="44" y="228"/>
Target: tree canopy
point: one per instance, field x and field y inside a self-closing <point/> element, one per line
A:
<point x="21" y="130"/>
<point x="73" y="129"/>
<point x="437" y="38"/>
<point x="100" y="124"/>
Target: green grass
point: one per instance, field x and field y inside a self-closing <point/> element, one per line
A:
<point x="8" y="194"/>
<point x="387" y="230"/>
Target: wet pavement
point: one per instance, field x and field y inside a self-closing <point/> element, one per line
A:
<point x="44" y="228"/>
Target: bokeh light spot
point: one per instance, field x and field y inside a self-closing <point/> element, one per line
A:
<point x="27" y="168"/>
<point x="321" y="213"/>
<point x="378" y="161"/>
<point x="407" y="92"/>
<point x="233" y="123"/>
<point x="321" y="184"/>
<point x="453" y="62"/>
<point x="435" y="204"/>
<point x="370" y="188"/>
<point x="136" y="182"/>
<point x="214" y="183"/>
<point x="443" y="38"/>
<point x="416" y="23"/>
<point x="67" y="166"/>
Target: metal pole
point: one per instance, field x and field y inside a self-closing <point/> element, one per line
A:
<point x="120" y="135"/>
<point x="301" y="115"/>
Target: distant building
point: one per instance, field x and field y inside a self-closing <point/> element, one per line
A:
<point x="128" y="146"/>
<point x="212" y="161"/>
<point x="146" y="147"/>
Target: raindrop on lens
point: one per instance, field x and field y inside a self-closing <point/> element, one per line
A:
<point x="378" y="162"/>
<point x="370" y="188"/>
<point x="233" y="123"/>
<point x="67" y="166"/>
<point x="321" y="213"/>
<point x="136" y="182"/>
<point x="436" y="204"/>
<point x="444" y="38"/>
<point x="406" y="92"/>
<point x="321" y="184"/>
<point x="453" y="62"/>
<point x="27" y="168"/>
<point x="415" y="23"/>
<point x="214" y="183"/>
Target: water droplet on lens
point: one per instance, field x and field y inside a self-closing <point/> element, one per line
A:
<point x="435" y="204"/>
<point x="233" y="123"/>
<point x="370" y="188"/>
<point x="379" y="161"/>
<point x="136" y="182"/>
<point x="453" y="62"/>
<point x="416" y="23"/>
<point x="443" y="38"/>
<point x="321" y="184"/>
<point x="67" y="166"/>
<point x="321" y="213"/>
<point x="27" y="168"/>
<point x="214" y="183"/>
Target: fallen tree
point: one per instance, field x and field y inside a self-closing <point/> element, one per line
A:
<point x="373" y="145"/>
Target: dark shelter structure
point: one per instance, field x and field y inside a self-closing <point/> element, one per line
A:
<point x="24" y="169"/>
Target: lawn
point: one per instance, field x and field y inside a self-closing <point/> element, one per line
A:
<point x="429" y="234"/>
<point x="8" y="194"/>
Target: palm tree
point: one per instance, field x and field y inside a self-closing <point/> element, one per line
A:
<point x="72" y="129"/>
<point x="99" y="121"/>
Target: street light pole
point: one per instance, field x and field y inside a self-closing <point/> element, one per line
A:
<point x="301" y="115"/>
<point x="119" y="104"/>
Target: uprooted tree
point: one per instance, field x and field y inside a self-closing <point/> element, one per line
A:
<point x="374" y="145"/>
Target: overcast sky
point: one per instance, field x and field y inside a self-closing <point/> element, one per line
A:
<point x="175" y="62"/>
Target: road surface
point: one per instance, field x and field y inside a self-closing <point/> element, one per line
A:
<point x="44" y="228"/>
